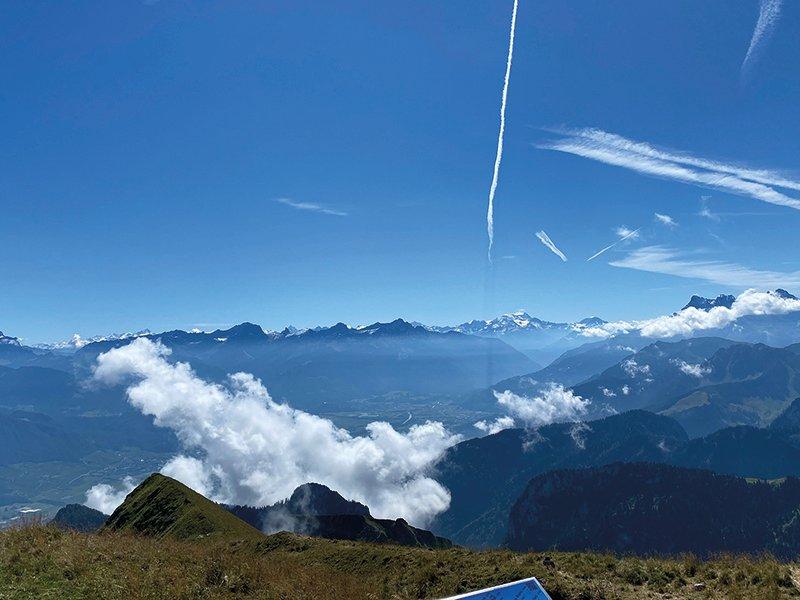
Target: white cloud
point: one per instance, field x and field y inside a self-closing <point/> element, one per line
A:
<point x="690" y="369"/>
<point x="633" y="369"/>
<point x="548" y="243"/>
<point x="106" y="498"/>
<point x="311" y="206"/>
<point x="626" y="390"/>
<point x="625" y="234"/>
<point x="666" y="220"/>
<point x="691" y="320"/>
<point x="255" y="451"/>
<point x="641" y="157"/>
<point x="705" y="209"/>
<point x="578" y="434"/>
<point x="554" y="403"/>
<point x="499" y="424"/>
<point x="660" y="259"/>
<point x="608" y="393"/>
<point x="768" y="15"/>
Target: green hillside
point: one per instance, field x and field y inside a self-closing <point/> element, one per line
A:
<point x="162" y="507"/>
<point x="44" y="562"/>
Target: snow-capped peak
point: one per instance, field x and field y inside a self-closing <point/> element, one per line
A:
<point x="76" y="342"/>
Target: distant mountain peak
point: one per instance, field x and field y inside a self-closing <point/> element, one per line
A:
<point x="393" y="327"/>
<point x="701" y="303"/>
<point x="7" y="339"/>
<point x="517" y="321"/>
<point x="727" y="300"/>
<point x="314" y="499"/>
<point x="592" y="322"/>
<point x="76" y="342"/>
<point x="784" y="294"/>
<point x="243" y="331"/>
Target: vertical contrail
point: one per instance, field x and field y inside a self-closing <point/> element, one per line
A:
<point x="499" y="156"/>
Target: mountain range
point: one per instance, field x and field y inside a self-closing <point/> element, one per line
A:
<point x="722" y="390"/>
<point x="486" y="475"/>
<point x="163" y="507"/>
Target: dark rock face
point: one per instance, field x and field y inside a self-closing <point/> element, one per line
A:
<point x="314" y="499"/>
<point x="701" y="303"/>
<point x="316" y="510"/>
<point x="78" y="517"/>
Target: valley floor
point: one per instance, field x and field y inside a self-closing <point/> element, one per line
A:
<point x="42" y="562"/>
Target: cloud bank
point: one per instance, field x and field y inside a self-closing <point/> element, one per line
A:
<point x="248" y="449"/>
<point x="548" y="243"/>
<point x="691" y="320"/>
<point x="646" y="159"/>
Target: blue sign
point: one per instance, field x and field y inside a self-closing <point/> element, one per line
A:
<point x="525" y="589"/>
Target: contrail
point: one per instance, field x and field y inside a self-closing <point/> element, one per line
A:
<point x="499" y="157"/>
<point x="545" y="239"/>
<point x="609" y="247"/>
<point x="767" y="18"/>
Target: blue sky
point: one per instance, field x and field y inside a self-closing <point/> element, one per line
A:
<point x="146" y="146"/>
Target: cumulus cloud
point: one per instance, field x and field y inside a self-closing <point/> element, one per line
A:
<point x="690" y="369"/>
<point x="690" y="320"/>
<point x="665" y="220"/>
<point x="548" y="243"/>
<point x="553" y="404"/>
<point x="661" y="259"/>
<point x="641" y="157"/>
<point x="633" y="369"/>
<point x="252" y="450"/>
<point x="499" y="424"/>
<point x="311" y="206"/>
<point x="107" y="498"/>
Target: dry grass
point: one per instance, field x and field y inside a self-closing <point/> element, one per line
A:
<point x="41" y="562"/>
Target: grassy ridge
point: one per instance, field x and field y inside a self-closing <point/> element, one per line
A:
<point x="43" y="562"/>
<point x="163" y="507"/>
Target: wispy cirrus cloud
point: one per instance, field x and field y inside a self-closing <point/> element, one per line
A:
<point x="665" y="220"/>
<point x="548" y="243"/>
<point x="660" y="259"/>
<point x="768" y="15"/>
<point x="705" y="209"/>
<point x="641" y="157"/>
<point x="311" y="206"/>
